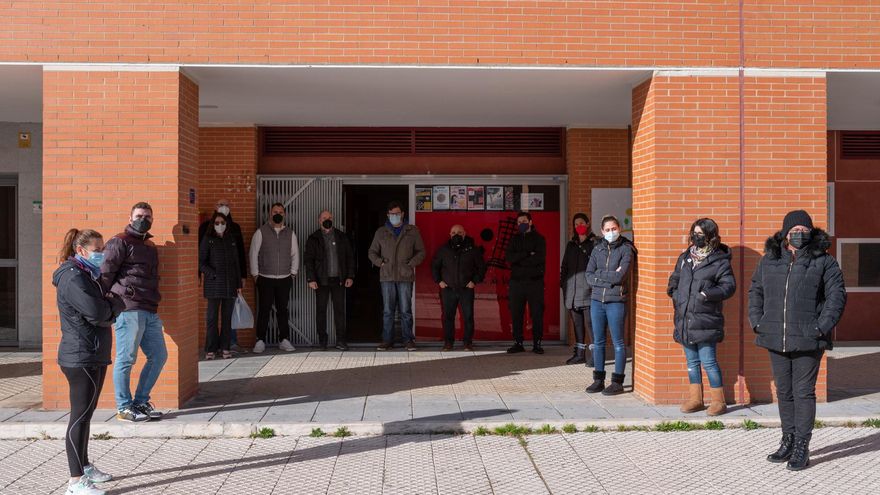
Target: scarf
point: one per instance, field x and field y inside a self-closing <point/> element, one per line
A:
<point x="699" y="254"/>
<point x="395" y="230"/>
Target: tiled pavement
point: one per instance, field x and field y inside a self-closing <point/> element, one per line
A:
<point x="400" y="392"/>
<point x="844" y="461"/>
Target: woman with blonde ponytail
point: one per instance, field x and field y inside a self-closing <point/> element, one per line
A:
<point x="84" y="352"/>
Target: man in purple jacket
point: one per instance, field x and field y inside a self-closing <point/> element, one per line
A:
<point x="131" y="270"/>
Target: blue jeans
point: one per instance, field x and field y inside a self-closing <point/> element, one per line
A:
<point x="397" y="296"/>
<point x="612" y="315"/>
<point x="704" y="354"/>
<point x="137" y="329"/>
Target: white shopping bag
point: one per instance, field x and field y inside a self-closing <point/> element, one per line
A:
<point x="241" y="314"/>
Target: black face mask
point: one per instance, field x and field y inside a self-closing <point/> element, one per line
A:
<point x="799" y="239"/>
<point x="699" y="240"/>
<point x="141" y="225"/>
<point x="327" y="224"/>
<point x="278" y="218"/>
<point x="457" y="240"/>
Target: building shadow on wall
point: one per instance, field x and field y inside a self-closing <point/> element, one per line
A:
<point x="853" y="375"/>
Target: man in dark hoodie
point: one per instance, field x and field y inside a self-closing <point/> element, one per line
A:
<point x="527" y="255"/>
<point x="131" y="271"/>
<point x="457" y="267"/>
<point x="796" y="298"/>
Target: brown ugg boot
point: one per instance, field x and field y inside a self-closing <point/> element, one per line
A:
<point x="718" y="405"/>
<point x="695" y="402"/>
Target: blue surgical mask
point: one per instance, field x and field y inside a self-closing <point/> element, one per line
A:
<point x="523" y="227"/>
<point x="95" y="259"/>
<point x="612" y="236"/>
<point x="394" y="219"/>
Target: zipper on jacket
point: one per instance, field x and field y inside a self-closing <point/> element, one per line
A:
<point x="607" y="262"/>
<point x="785" y="303"/>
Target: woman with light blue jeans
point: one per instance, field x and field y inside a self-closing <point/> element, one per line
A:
<point x="701" y="280"/>
<point x="607" y="273"/>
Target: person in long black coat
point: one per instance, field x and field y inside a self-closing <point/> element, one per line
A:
<point x="795" y="301"/>
<point x="219" y="262"/>
<point x="575" y="289"/>
<point x="701" y="280"/>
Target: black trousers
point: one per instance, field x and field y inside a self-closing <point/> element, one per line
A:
<point x="795" y="375"/>
<point x="529" y="292"/>
<point x="273" y="291"/>
<point x="452" y="299"/>
<point x="583" y="325"/>
<point x="219" y="340"/>
<point x="336" y="291"/>
<point x="85" y="387"/>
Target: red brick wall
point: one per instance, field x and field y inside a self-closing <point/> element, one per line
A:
<point x="112" y="139"/>
<point x="685" y="166"/>
<point x="595" y="158"/>
<point x="227" y="170"/>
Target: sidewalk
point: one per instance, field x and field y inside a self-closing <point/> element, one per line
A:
<point x="844" y="461"/>
<point x="426" y="391"/>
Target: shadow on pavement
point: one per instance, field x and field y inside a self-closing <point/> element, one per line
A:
<point x="870" y="443"/>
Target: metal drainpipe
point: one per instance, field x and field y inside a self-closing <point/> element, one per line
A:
<point x="742" y="202"/>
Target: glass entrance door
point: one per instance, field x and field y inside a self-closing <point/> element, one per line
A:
<point x="8" y="263"/>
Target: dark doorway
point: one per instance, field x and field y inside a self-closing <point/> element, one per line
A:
<point x="365" y="211"/>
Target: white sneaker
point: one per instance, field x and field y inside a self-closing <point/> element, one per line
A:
<point x="95" y="475"/>
<point x="285" y="345"/>
<point x="259" y="347"/>
<point x="82" y="487"/>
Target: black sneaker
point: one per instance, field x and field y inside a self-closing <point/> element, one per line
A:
<point x="517" y="347"/>
<point x="322" y="346"/>
<point x="342" y="346"/>
<point x="149" y="410"/>
<point x="131" y="414"/>
<point x="537" y="349"/>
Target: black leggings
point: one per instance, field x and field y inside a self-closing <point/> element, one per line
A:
<point x="85" y="387"/>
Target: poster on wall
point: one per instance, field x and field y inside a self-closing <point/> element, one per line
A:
<point x="441" y="198"/>
<point x="423" y="199"/>
<point x="531" y="201"/>
<point x="509" y="199"/>
<point x="476" y="197"/>
<point x="458" y="198"/>
<point x="613" y="201"/>
<point x="494" y="198"/>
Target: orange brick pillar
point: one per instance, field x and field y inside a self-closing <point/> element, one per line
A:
<point x="113" y="139"/>
<point x="228" y="170"/>
<point x="686" y="165"/>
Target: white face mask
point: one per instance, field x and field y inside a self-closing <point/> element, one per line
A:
<point x="220" y="228"/>
<point x="612" y="236"/>
<point x="224" y="210"/>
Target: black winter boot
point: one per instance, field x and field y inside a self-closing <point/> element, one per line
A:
<point x="578" y="356"/>
<point x="588" y="357"/>
<point x="800" y="455"/>
<point x="616" y="386"/>
<point x="598" y="384"/>
<point x="536" y="347"/>
<point x="785" y="446"/>
<point x="517" y="347"/>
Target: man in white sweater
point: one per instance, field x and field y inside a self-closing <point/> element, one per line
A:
<point x="274" y="261"/>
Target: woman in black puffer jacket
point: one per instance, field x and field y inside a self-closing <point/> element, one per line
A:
<point x="84" y="352"/>
<point x="218" y="260"/>
<point x="575" y="289"/>
<point x="701" y="280"/>
<point x="796" y="299"/>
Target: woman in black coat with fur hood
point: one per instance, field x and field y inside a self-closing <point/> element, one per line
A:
<point x="701" y="280"/>
<point x="796" y="299"/>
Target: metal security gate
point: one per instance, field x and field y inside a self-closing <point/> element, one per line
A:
<point x="303" y="199"/>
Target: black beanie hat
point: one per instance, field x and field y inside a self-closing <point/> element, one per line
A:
<point x="796" y="217"/>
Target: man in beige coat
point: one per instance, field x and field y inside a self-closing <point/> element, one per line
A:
<point x="397" y="250"/>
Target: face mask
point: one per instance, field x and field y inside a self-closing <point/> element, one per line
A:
<point x="327" y="224"/>
<point x="224" y="210"/>
<point x="699" y="240"/>
<point x="799" y="239"/>
<point x="523" y="228"/>
<point x="581" y="230"/>
<point x="95" y="259"/>
<point x="457" y="240"/>
<point x="612" y="236"/>
<point x="141" y="225"/>
<point x="278" y="218"/>
<point x="220" y="228"/>
<point x="394" y="219"/>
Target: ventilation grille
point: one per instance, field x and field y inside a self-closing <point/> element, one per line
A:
<point x="413" y="141"/>
<point x="860" y="145"/>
